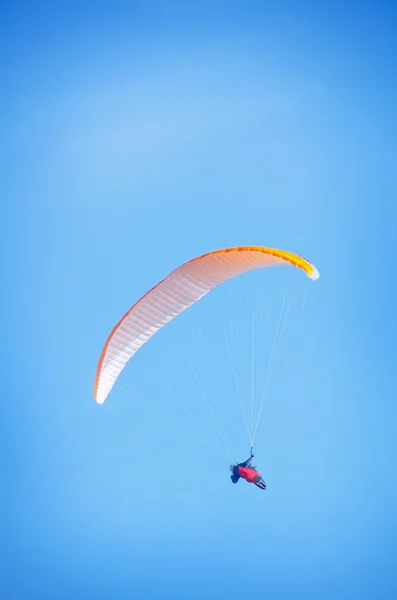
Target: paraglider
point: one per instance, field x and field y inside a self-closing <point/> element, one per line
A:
<point x="170" y="297"/>
<point x="247" y="472"/>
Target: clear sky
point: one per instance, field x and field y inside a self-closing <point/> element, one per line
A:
<point x="135" y="136"/>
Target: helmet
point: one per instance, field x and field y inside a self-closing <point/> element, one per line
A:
<point x="231" y="467"/>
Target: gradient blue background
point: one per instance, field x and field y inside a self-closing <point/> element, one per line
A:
<point x="137" y="135"/>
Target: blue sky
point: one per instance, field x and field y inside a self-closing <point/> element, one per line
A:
<point x="135" y="137"/>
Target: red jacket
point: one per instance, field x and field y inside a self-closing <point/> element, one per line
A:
<point x="248" y="473"/>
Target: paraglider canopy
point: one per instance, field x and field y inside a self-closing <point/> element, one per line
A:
<point x="174" y="294"/>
